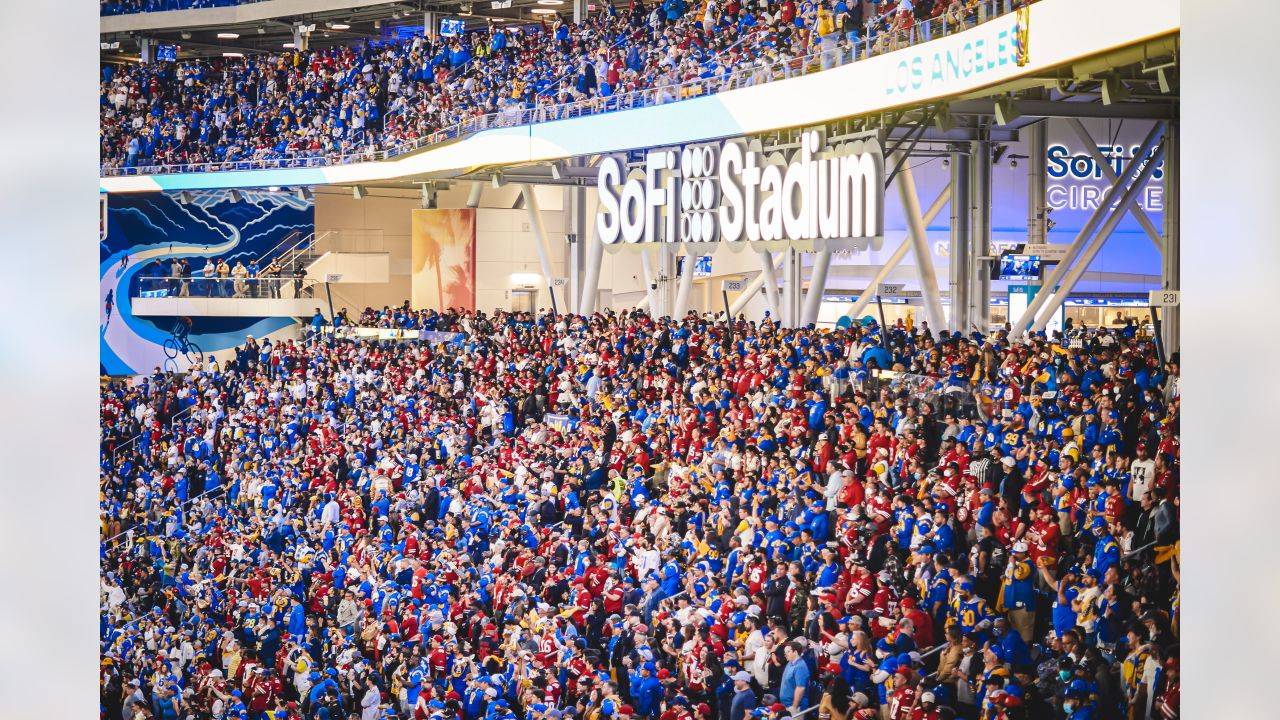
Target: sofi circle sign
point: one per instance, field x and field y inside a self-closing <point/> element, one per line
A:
<point x="820" y="196"/>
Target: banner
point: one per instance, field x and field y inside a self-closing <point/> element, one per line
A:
<point x="444" y="259"/>
<point x="560" y="423"/>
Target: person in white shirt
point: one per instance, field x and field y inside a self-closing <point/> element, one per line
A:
<point x="1142" y="474"/>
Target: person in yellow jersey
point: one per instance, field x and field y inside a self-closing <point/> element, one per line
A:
<point x="1017" y="592"/>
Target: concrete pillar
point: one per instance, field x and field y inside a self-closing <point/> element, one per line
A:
<point x="961" y="268"/>
<point x="144" y="50"/>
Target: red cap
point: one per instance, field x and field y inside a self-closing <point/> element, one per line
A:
<point x="663" y="674"/>
<point x="777" y="707"/>
<point x="704" y="708"/>
<point x="626" y="710"/>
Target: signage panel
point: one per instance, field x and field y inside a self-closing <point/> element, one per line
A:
<point x="830" y="197"/>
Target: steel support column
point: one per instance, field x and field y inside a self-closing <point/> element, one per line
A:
<point x="768" y="275"/>
<point x="791" y="288"/>
<point x="1078" y="244"/>
<point x="817" y="287"/>
<point x="1037" y="146"/>
<point x="1138" y="213"/>
<point x="1171" y="261"/>
<point x="539" y="237"/>
<point x="925" y="271"/>
<point x="650" y="289"/>
<point x="575" y="201"/>
<point x="474" y="195"/>
<point x="591" y="277"/>
<point x="1108" y="227"/>
<point x="864" y="297"/>
<point x="980" y="224"/>
<point x="961" y="265"/>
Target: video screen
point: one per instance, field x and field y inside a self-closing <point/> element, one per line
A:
<point x="1019" y="267"/>
<point x="702" y="268"/>
<point x="167" y="52"/>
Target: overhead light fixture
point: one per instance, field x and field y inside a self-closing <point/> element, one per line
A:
<point x="340" y="26"/>
<point x="185" y="35"/>
<point x="498" y="181"/>
<point x="542" y="11"/>
<point x="289" y="46"/>
<point x="232" y="55"/>
<point x="274" y="188"/>
<point x="550" y="2"/>
<point x="359" y="192"/>
<point x="262" y="30"/>
<point x="184" y="197"/>
<point x="303" y="193"/>
<point x="236" y="196"/>
<point x="557" y="170"/>
<point x="228" y="36"/>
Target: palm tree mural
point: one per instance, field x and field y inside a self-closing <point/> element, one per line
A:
<point x="461" y="291"/>
<point x="431" y="252"/>
<point x="444" y="239"/>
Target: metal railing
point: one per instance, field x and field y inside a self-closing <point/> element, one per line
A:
<point x="256" y="288"/>
<point x="107" y="8"/>
<point x="115" y="452"/>
<point x="840" y="53"/>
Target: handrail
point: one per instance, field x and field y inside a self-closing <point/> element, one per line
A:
<point x="292" y="235"/>
<point x="739" y="77"/>
<point x="121" y="448"/>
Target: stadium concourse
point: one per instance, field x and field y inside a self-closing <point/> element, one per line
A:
<point x="615" y="517"/>
<point x="350" y="102"/>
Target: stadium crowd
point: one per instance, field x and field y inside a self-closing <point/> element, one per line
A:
<point x="386" y="96"/>
<point x="620" y="518"/>
<point x="128" y="7"/>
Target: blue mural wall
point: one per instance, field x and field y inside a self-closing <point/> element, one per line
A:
<point x="145" y="228"/>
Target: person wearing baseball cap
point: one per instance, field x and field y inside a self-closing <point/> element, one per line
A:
<point x="1017" y="592"/>
<point x="744" y="697"/>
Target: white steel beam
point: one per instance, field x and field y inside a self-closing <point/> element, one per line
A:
<point x="539" y="237"/>
<point x="1138" y="213"/>
<point x="686" y="284"/>
<point x="1078" y="244"/>
<point x="817" y="287"/>
<point x="927" y="274"/>
<point x="763" y="279"/>
<point x="650" y="292"/>
<point x="864" y="297"/>
<point x="1077" y="270"/>
<point x="473" y="197"/>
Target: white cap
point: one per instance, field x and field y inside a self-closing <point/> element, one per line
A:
<point x="742" y="676"/>
<point x="1008" y="461"/>
<point x="1020" y="547"/>
<point x="927" y="697"/>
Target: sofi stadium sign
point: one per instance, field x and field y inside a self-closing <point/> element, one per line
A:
<point x="820" y="196"/>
